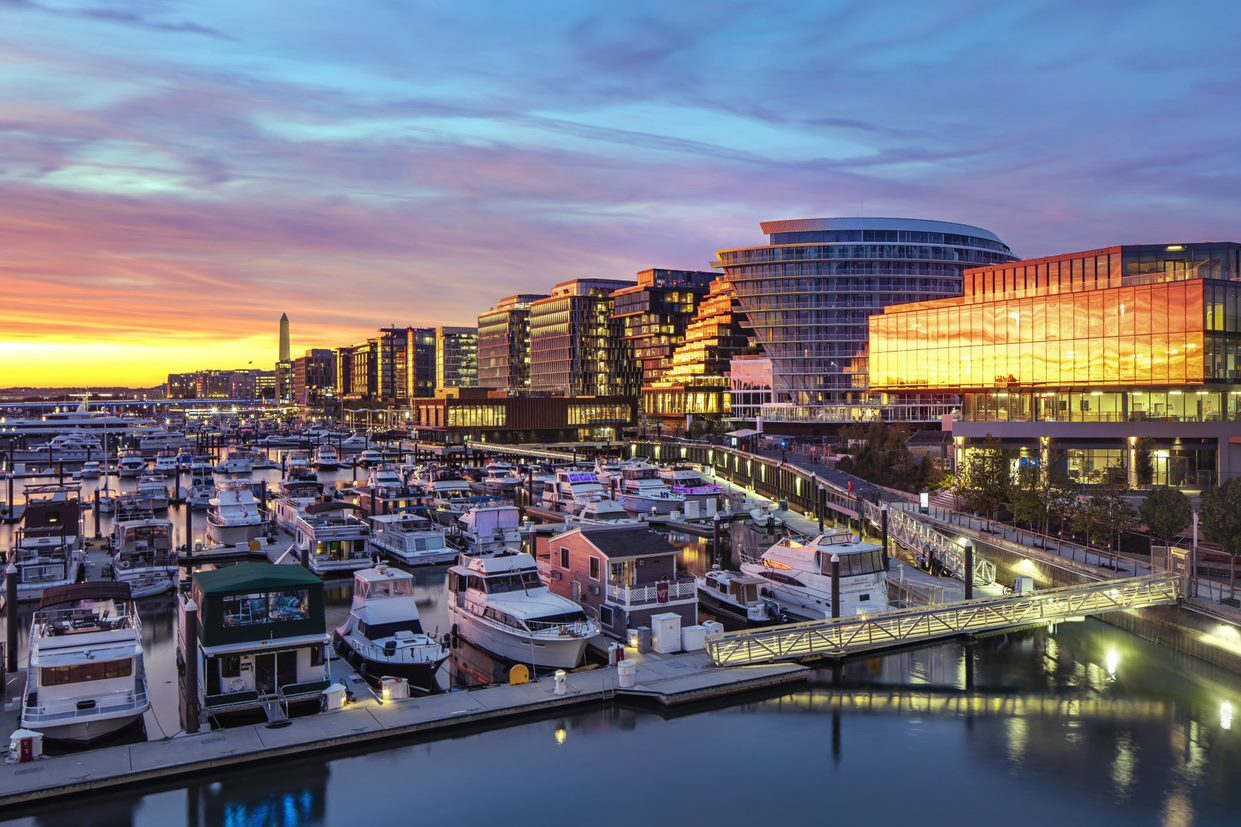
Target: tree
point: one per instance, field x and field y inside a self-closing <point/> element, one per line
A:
<point x="1041" y="495"/>
<point x="879" y="454"/>
<point x="984" y="479"/>
<point x="1221" y="523"/>
<point x="1166" y="512"/>
<point x="1104" y="516"/>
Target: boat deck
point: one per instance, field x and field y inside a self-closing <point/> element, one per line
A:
<point x="664" y="680"/>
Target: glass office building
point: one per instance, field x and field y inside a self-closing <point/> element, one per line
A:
<point x="504" y="344"/>
<point x="810" y="292"/>
<point x="1128" y="354"/>
<point x="575" y="344"/>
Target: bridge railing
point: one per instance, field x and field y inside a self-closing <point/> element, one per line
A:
<point x="845" y="636"/>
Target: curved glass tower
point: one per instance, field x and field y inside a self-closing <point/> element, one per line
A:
<point x="809" y="293"/>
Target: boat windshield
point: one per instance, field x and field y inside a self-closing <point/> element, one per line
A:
<point x="513" y="582"/>
<point x="378" y="631"/>
<point x="865" y="562"/>
<point x="385" y="588"/>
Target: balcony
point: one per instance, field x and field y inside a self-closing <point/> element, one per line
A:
<point x="637" y="597"/>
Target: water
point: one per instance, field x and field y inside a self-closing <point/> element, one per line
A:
<point x="1079" y="725"/>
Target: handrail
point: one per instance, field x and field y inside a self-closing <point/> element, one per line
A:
<point x="844" y="636"/>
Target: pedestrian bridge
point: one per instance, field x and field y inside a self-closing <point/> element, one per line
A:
<point x="843" y="637"/>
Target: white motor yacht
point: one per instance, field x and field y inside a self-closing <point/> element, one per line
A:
<point x="502" y="477"/>
<point x="486" y="529"/>
<point x="130" y="466"/>
<point x="737" y="597"/>
<point x="643" y="492"/>
<point x="143" y="556"/>
<point x="237" y="462"/>
<point x="85" y="676"/>
<point x="571" y="491"/>
<point x="601" y="510"/>
<point x="234" y="516"/>
<point x="334" y="540"/>
<point x="410" y="539"/>
<point x="370" y="457"/>
<point x="154" y="441"/>
<point x="498" y="603"/>
<point x="327" y="458"/>
<point x="153" y="489"/>
<point x="798" y="576"/>
<point x="91" y="470"/>
<point x="383" y="636"/>
<point x="166" y="464"/>
<point x="202" y="483"/>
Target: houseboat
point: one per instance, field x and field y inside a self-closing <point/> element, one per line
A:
<point x="383" y="635"/>
<point x="798" y="576"/>
<point x="486" y="529"/>
<point x="261" y="638"/>
<point x="410" y="539"/>
<point x="333" y="538"/>
<point x="237" y="462"/>
<point x="736" y="597"/>
<point x="234" y="516"/>
<point x="498" y="603"/>
<point x="47" y="549"/>
<point x="85" y="676"/>
<point x="621" y="573"/>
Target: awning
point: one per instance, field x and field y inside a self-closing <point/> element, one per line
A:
<point x="743" y="432"/>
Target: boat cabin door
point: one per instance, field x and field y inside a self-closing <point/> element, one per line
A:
<point x="273" y="670"/>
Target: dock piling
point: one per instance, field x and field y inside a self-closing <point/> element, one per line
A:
<point x="10" y="613"/>
<point x="969" y="570"/>
<point x="189" y="528"/>
<point x="883" y="529"/>
<point x="191" y="667"/>
<point x="97" y="532"/>
<point x="835" y="586"/>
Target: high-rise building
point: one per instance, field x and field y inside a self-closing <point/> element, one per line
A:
<point x="696" y="381"/>
<point x="357" y="371"/>
<point x="456" y="357"/>
<point x="653" y="313"/>
<point x="575" y="345"/>
<point x="749" y="387"/>
<point x="285" y="352"/>
<point x="314" y="377"/>
<point x="504" y="344"/>
<point x="809" y="293"/>
<point x="1114" y="365"/>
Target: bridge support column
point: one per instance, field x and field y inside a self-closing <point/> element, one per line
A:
<point x="969" y="570"/>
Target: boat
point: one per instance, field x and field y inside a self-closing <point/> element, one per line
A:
<point x="332" y="537"/>
<point x="296" y="494"/>
<point x="237" y="462"/>
<point x="735" y="596"/>
<point x="130" y="466"/>
<point x="91" y="470"/>
<point x="499" y="604"/>
<point x="383" y="635"/>
<point x="486" y="529"/>
<point x="688" y="481"/>
<point x="68" y="448"/>
<point x="601" y="510"/>
<point x="234" y="516"/>
<point x="797" y="576"/>
<point x="327" y="458"/>
<point x="79" y="420"/>
<point x="370" y="457"/>
<point x="571" y="491"/>
<point x="166" y="464"/>
<point x="47" y="548"/>
<point x="143" y="556"/>
<point x="643" y="492"/>
<point x="410" y="539"/>
<point x="261" y="639"/>
<point x="202" y="482"/>
<point x="451" y="495"/>
<point x="355" y="443"/>
<point x="153" y="489"/>
<point x="85" y="676"/>
<point x="152" y="442"/>
<point x="501" y="477"/>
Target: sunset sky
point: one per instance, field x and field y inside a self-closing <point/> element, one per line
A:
<point x="173" y="176"/>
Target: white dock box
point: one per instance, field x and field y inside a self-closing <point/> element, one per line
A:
<point x="666" y="633"/>
<point x="694" y="638"/>
<point x="713" y="627"/>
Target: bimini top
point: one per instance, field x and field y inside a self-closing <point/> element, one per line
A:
<point x="102" y="590"/>
<point x="805" y="225"/>
<point x="245" y="577"/>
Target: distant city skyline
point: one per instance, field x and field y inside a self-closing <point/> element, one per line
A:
<point x="173" y="177"/>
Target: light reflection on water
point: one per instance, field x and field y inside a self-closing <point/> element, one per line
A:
<point x="1084" y="724"/>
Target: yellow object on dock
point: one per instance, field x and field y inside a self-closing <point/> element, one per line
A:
<point x="519" y="675"/>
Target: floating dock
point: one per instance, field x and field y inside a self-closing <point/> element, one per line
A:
<point x="661" y="680"/>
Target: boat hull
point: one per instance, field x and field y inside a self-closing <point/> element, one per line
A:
<point x="421" y="676"/>
<point x="84" y="732"/>
<point x="565" y="653"/>
<point x="234" y="534"/>
<point x="636" y="504"/>
<point x="416" y="558"/>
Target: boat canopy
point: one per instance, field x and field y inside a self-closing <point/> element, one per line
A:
<point x="102" y="590"/>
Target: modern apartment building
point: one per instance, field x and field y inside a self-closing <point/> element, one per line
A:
<point x="749" y="388"/>
<point x="654" y="313"/>
<point x="575" y="346"/>
<point x="314" y="377"/>
<point x="809" y="293"/>
<point x="456" y="357"/>
<point x="504" y="344"/>
<point x="696" y="380"/>
<point x="1122" y="362"/>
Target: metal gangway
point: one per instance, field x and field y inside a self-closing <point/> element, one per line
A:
<point x="929" y="547"/>
<point x="842" y="637"/>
